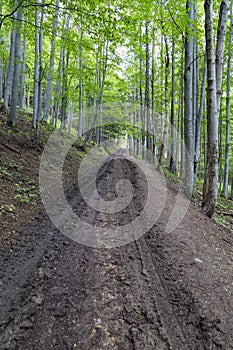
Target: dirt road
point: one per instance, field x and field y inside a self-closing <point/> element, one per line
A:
<point x="163" y="291"/>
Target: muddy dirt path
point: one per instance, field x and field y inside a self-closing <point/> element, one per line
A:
<point x="163" y="291"/>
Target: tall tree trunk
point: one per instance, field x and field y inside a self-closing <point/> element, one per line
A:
<point x="147" y="96"/>
<point x="51" y="64"/>
<point x="80" y="120"/>
<point x="17" y="56"/>
<point x="220" y="147"/>
<point x="36" y="68"/>
<point x="221" y="35"/>
<point x="57" y="89"/>
<point x="10" y="69"/>
<point x="153" y="116"/>
<point x="195" y="70"/>
<point x="92" y="122"/>
<point x="228" y="112"/>
<point x="165" y="130"/>
<point x="39" y="110"/>
<point x="210" y="188"/>
<point x="64" y="90"/>
<point x="38" y="73"/>
<point x="102" y="85"/>
<point x="199" y="120"/>
<point x="181" y="112"/>
<point x="172" y="165"/>
<point x="188" y="114"/>
<point x="23" y="70"/>
<point x="142" y="116"/>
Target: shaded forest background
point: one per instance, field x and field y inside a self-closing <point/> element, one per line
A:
<point x="163" y="69"/>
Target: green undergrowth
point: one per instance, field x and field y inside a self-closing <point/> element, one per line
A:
<point x="174" y="177"/>
<point x="224" y="205"/>
<point x="19" y="171"/>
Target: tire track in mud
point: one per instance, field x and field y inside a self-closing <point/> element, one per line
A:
<point x="77" y="297"/>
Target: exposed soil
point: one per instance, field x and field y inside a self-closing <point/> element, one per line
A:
<point x="163" y="291"/>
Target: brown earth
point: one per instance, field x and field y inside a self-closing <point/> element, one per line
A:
<point x="162" y="291"/>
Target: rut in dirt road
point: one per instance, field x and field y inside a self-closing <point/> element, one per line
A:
<point x="58" y="294"/>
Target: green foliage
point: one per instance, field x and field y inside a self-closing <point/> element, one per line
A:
<point x="169" y="175"/>
<point x="9" y="168"/>
<point x="27" y="191"/>
<point x="5" y="173"/>
<point x="10" y="208"/>
<point x="119" y="26"/>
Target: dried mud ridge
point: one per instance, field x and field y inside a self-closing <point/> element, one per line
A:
<point x="57" y="294"/>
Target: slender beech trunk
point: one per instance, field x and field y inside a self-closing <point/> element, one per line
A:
<point x="38" y="73"/>
<point x="10" y="68"/>
<point x="39" y="109"/>
<point x="195" y="70"/>
<point x="160" y="96"/>
<point x="70" y="116"/>
<point x="210" y="188"/>
<point x="182" y="148"/>
<point x="102" y="78"/>
<point x="142" y="117"/>
<point x="188" y="99"/>
<point x="147" y="96"/>
<point x="64" y="89"/>
<point x="23" y="69"/>
<point x="220" y="147"/>
<point x="228" y="112"/>
<point x="92" y="122"/>
<point x="172" y="165"/>
<point x="57" y="90"/>
<point x="199" y="120"/>
<point x="80" y="120"/>
<point x="36" y="67"/>
<point x="51" y="64"/>
<point x="28" y="88"/>
<point x="221" y="35"/>
<point x="154" y="124"/>
<point x="165" y="130"/>
<point x="16" y="71"/>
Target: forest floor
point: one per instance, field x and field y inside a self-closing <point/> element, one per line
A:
<point x="162" y="291"/>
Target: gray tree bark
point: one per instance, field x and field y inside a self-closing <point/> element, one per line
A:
<point x="199" y="120"/>
<point x="39" y="107"/>
<point x="16" y="71"/>
<point x="36" y="68"/>
<point x="147" y="96"/>
<point x="51" y="64"/>
<point x="210" y="188"/>
<point x="188" y="106"/>
<point x="80" y="120"/>
<point x="221" y="35"/>
<point x="172" y="165"/>
<point x="228" y="112"/>
<point x="165" y="129"/>
<point x="153" y="115"/>
<point x="64" y="88"/>
<point x="23" y="71"/>
<point x="10" y="69"/>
